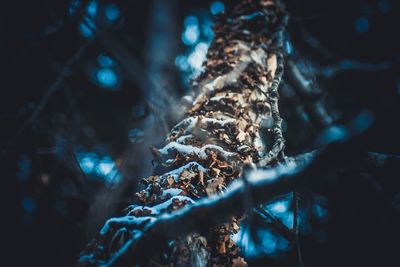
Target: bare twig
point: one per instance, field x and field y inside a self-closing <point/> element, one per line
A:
<point x="296" y="226"/>
<point x="346" y="65"/>
<point x="208" y="212"/>
<point x="309" y="95"/>
<point x="273" y="97"/>
<point x="276" y="223"/>
<point x="55" y="86"/>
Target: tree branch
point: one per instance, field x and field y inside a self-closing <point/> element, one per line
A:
<point x="309" y="95"/>
<point x="264" y="185"/>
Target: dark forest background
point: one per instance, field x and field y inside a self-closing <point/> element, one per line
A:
<point x="89" y="86"/>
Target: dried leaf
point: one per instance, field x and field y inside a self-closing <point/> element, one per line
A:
<point x="239" y="262"/>
<point x="241" y="136"/>
<point x="212" y="185"/>
<point x="187" y="175"/>
<point x="201" y="177"/>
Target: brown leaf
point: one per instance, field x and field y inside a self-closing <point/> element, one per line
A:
<point x="216" y="171"/>
<point x="239" y="262"/>
<point x="221" y="248"/>
<point x="187" y="175"/>
<point x="170" y="180"/>
<point x="241" y="136"/>
<point x="212" y="185"/>
<point x="201" y="178"/>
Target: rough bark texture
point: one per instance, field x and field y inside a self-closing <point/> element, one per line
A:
<point x="233" y="121"/>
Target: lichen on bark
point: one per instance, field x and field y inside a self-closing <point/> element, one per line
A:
<point x="232" y="122"/>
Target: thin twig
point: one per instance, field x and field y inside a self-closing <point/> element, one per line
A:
<point x="208" y="212"/>
<point x="346" y="65"/>
<point x="296" y="226"/>
<point x="309" y="95"/>
<point x="273" y="97"/>
<point x="276" y="223"/>
<point x="54" y="86"/>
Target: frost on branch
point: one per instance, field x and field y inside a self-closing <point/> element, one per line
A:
<point x="223" y="131"/>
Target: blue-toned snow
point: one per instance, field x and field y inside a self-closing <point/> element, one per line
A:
<point x="197" y="57"/>
<point x="251" y="16"/>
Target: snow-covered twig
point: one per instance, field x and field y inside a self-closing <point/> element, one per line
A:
<point x="264" y="185"/>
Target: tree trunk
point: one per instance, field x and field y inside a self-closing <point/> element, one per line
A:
<point x="232" y="122"/>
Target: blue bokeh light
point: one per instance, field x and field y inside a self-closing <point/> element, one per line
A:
<point x="112" y="12"/>
<point x="320" y="212"/>
<point x="191" y="35"/>
<point x="282" y="244"/>
<point x="287" y="219"/>
<point x="99" y="166"/>
<point x="104" y="61"/>
<point x="136" y="135"/>
<point x="85" y="30"/>
<point x="384" y="6"/>
<point x="24" y="168"/>
<point x="73" y="6"/>
<point x="280" y="206"/>
<point x="197" y="35"/>
<point x="105" y="166"/>
<point x="181" y="63"/>
<point x="362" y="121"/>
<point x="333" y="134"/>
<point x="207" y="30"/>
<point x="87" y="161"/>
<point x="268" y="243"/>
<point x="346" y="64"/>
<point x="361" y="25"/>
<point x="107" y="78"/>
<point x="197" y="57"/>
<point x="91" y="8"/>
<point x="191" y="21"/>
<point x="29" y="205"/>
<point x="217" y="7"/>
<point x="246" y="243"/>
<point x="277" y="207"/>
<point x="288" y="47"/>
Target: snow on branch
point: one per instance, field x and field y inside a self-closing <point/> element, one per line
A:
<point x="261" y="185"/>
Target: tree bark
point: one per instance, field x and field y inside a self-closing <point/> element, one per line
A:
<point x="232" y="122"/>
